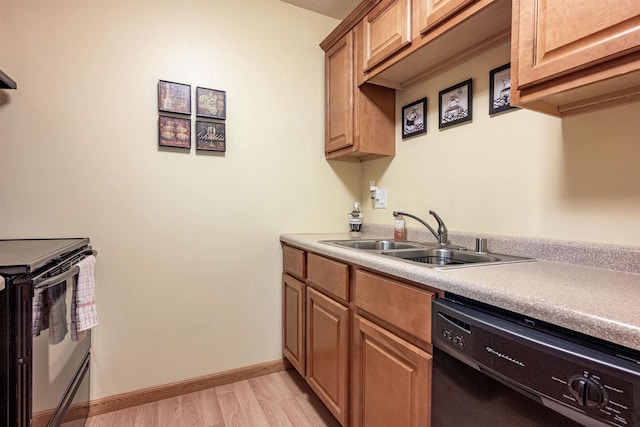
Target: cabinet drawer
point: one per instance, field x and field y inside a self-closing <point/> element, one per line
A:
<point x="293" y="261"/>
<point x="332" y="276"/>
<point x="402" y="306"/>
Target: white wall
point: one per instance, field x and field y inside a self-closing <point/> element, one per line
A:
<point x="518" y="173"/>
<point x="189" y="260"/>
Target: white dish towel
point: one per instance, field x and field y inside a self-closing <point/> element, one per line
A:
<point x="84" y="314"/>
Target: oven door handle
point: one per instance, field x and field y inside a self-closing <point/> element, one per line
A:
<point x="39" y="284"/>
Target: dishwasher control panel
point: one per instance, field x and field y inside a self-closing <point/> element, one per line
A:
<point x="579" y="381"/>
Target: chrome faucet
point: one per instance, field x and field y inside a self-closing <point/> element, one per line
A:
<point x="442" y="235"/>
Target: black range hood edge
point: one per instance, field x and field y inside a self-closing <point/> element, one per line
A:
<point x="7" y="82"/>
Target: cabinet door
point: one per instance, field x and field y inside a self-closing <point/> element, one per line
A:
<point x="339" y="74"/>
<point x="293" y="299"/>
<point x="387" y="29"/>
<point x="559" y="37"/>
<point x="433" y="12"/>
<point x="327" y="352"/>
<point x="391" y="379"/>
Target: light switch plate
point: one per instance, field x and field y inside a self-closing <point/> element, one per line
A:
<point x="381" y="199"/>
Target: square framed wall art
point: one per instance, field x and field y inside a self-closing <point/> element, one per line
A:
<point x="500" y="89"/>
<point x="414" y="118"/>
<point x="211" y="103"/>
<point x="174" y="132"/>
<point x="455" y="104"/>
<point x="174" y="97"/>
<point x="211" y="136"/>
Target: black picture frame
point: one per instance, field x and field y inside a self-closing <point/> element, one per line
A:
<point x="455" y="104"/>
<point x="500" y="89"/>
<point x="174" y="97"/>
<point x="174" y="132"/>
<point x="211" y="103"/>
<point x="211" y="136"/>
<point x="414" y="118"/>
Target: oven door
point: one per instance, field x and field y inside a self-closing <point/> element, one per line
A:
<point x="60" y="371"/>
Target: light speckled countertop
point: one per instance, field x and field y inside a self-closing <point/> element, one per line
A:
<point x="600" y="302"/>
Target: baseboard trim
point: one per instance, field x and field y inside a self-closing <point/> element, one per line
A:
<point x="152" y="394"/>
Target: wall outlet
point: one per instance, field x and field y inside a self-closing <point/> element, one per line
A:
<point x="381" y="199"/>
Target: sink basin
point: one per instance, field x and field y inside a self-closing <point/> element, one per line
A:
<point x="426" y="254"/>
<point x="379" y="245"/>
<point x="442" y="256"/>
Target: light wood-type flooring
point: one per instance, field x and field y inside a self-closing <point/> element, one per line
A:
<point x="281" y="399"/>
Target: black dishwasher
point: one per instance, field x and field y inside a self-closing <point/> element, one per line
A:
<point x="492" y="368"/>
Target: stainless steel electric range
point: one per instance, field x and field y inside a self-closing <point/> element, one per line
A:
<point x="44" y="379"/>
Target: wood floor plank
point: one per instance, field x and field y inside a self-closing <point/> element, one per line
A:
<point x="269" y="401"/>
<point x="285" y="388"/>
<point x="125" y="417"/>
<point x="295" y="412"/>
<point x="250" y="405"/>
<point x="316" y="412"/>
<point x="281" y="399"/>
<point x="232" y="410"/>
<point x="169" y="412"/>
<point x="76" y="423"/>
<point x="191" y="410"/>
<point x="147" y="415"/>
<point x="211" y="407"/>
<point x="103" y="420"/>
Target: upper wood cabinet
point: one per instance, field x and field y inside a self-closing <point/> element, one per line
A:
<point x="387" y="29"/>
<point x="339" y="86"/>
<point x="575" y="56"/>
<point x="444" y="33"/>
<point x="433" y="12"/>
<point x="359" y="120"/>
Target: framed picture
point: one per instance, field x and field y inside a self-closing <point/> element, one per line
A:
<point x="210" y="136"/>
<point x="414" y="118"/>
<point x="174" y="132"/>
<point x="174" y="97"/>
<point x="500" y="89"/>
<point x="455" y="104"/>
<point x="211" y="103"/>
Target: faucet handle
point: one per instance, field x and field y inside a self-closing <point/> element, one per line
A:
<point x="443" y="233"/>
<point x="442" y="228"/>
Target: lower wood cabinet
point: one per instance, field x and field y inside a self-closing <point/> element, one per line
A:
<point x="293" y="301"/>
<point x="391" y="379"/>
<point x="361" y="340"/>
<point x="328" y="352"/>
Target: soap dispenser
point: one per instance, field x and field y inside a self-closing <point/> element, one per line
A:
<point x="355" y="219"/>
<point x="399" y="229"/>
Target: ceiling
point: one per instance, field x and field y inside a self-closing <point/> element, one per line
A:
<point x="335" y="8"/>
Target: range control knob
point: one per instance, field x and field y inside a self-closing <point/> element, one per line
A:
<point x="587" y="391"/>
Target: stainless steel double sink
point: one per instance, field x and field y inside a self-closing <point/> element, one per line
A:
<point x="426" y="254"/>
